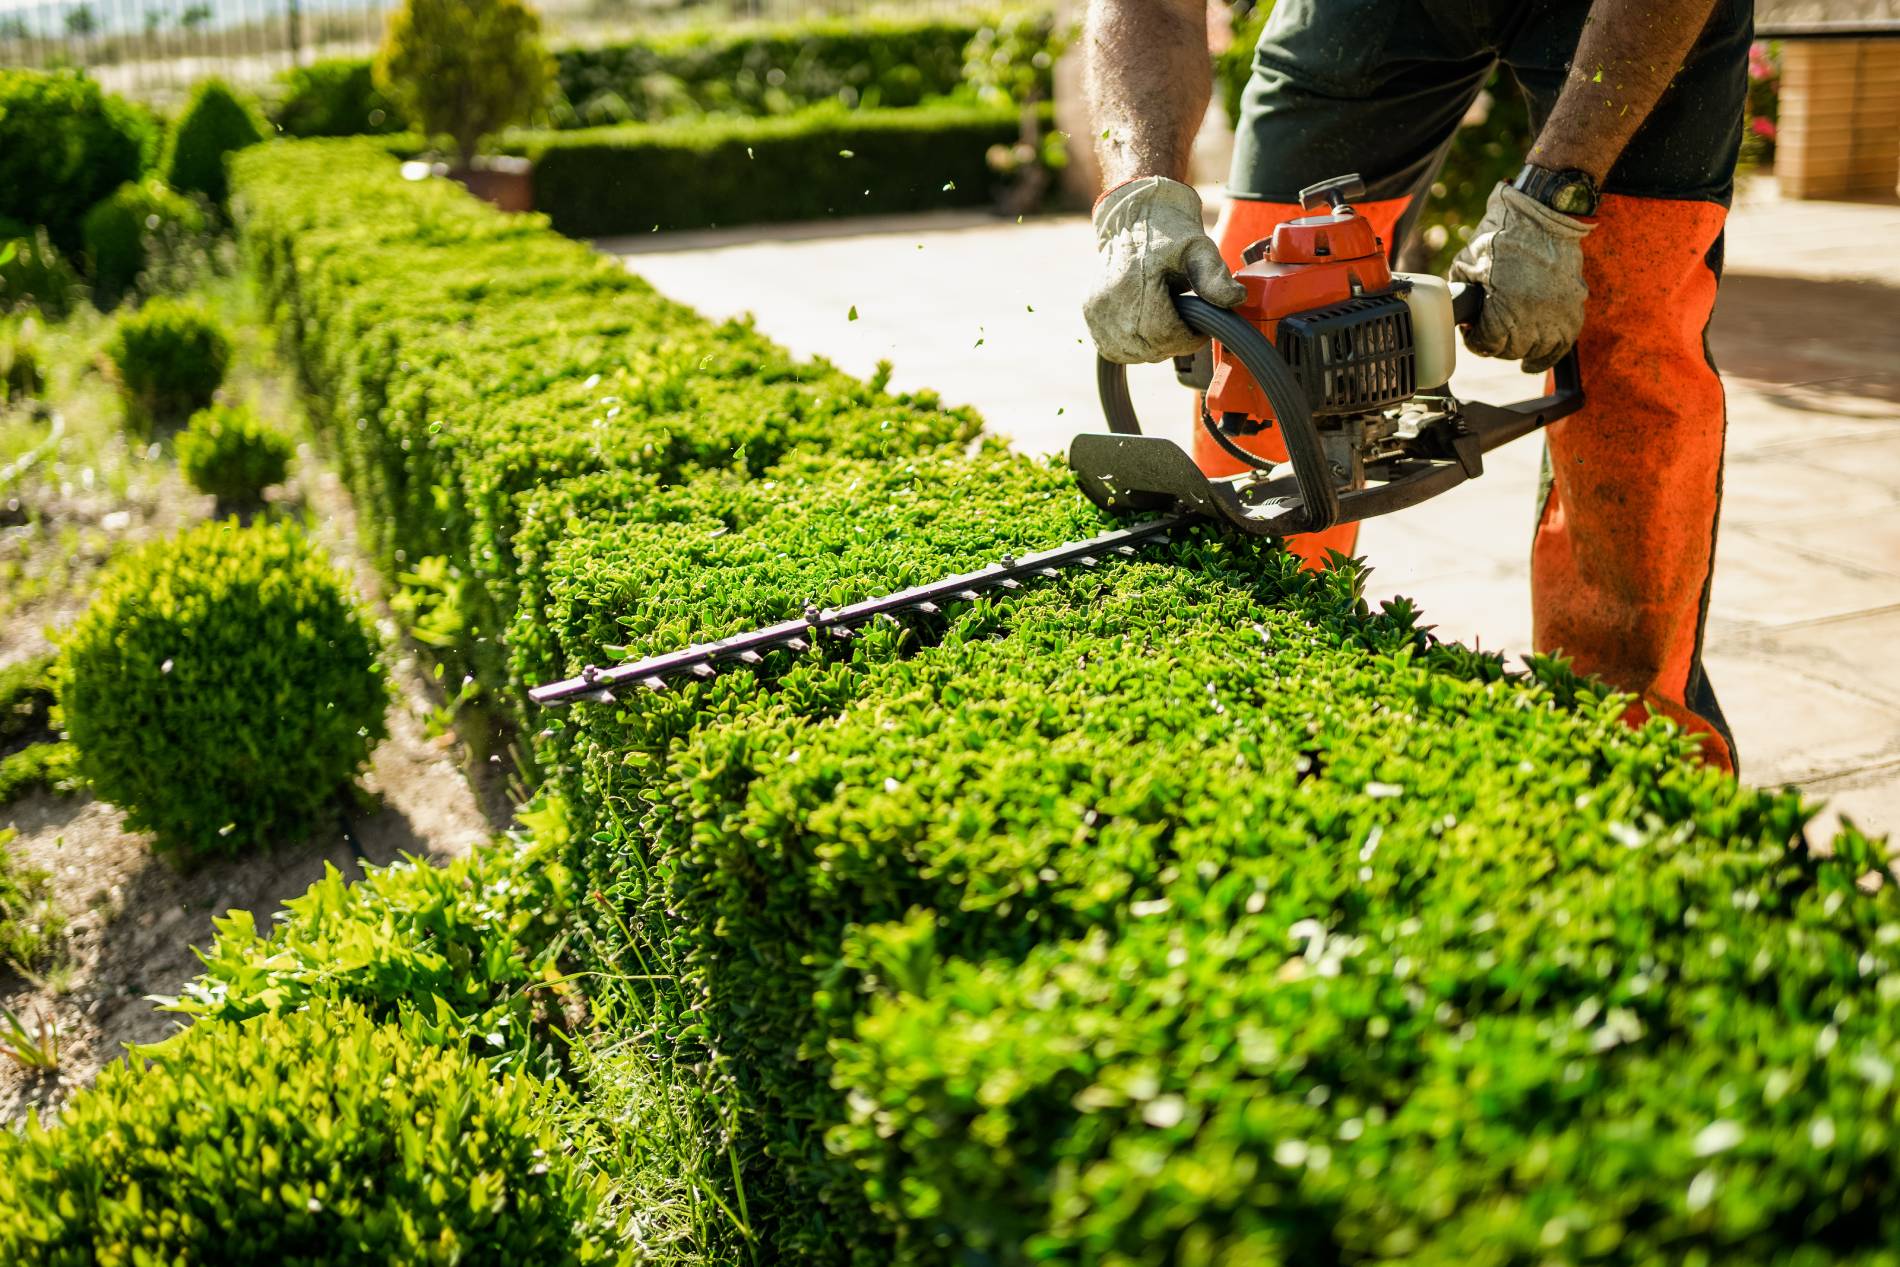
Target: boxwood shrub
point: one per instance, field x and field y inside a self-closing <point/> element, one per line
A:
<point x="223" y="687"/>
<point x="335" y="96"/>
<point x="1182" y="910"/>
<point x="318" y="1137"/>
<point x="64" y="145"/>
<point x="169" y="357"/>
<point x="822" y="162"/>
<point x="228" y="452"/>
<point x="216" y="122"/>
<point x="143" y="223"/>
<point x="460" y="953"/>
<point x="36" y="275"/>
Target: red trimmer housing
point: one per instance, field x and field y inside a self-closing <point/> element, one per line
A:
<point x="1329" y="263"/>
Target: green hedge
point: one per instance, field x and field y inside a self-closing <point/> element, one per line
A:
<point x="889" y="62"/>
<point x="821" y="163"/>
<point x="1179" y="911"/>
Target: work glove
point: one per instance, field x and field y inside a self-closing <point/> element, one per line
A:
<point x="1149" y="235"/>
<point x="1529" y="259"/>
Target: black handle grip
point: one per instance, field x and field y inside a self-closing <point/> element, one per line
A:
<point x="1291" y="412"/>
<point x="1467" y="302"/>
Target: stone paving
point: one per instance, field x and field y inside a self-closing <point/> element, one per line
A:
<point x="1804" y="633"/>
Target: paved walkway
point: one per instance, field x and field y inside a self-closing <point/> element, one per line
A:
<point x="1804" y="635"/>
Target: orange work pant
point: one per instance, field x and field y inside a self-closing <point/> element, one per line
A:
<point x="1625" y="541"/>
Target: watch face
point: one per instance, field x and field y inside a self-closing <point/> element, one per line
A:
<point x="1572" y="198"/>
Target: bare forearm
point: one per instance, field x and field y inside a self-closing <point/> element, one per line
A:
<point x="1630" y="51"/>
<point x="1148" y="77"/>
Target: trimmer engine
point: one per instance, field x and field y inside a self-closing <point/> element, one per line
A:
<point x="1346" y="359"/>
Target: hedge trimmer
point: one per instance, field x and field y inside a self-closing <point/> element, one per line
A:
<point x="1349" y="361"/>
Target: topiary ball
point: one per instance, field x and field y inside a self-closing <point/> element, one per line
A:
<point x="33" y="274"/>
<point x="141" y="221"/>
<point x="227" y="452"/>
<point x="222" y="688"/>
<point x="170" y="359"/>
<point x="215" y="122"/>
<point x="318" y="1137"/>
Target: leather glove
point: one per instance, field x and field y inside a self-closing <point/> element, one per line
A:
<point x="1152" y="245"/>
<point x="1530" y="261"/>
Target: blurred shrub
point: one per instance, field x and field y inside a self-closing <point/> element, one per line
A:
<point x="20" y="376"/>
<point x="35" y="274"/>
<point x="170" y="358"/>
<point x="215" y="122"/>
<point x="314" y="1138"/>
<point x="127" y="235"/>
<point x="1481" y="154"/>
<point x="64" y="145"/>
<point x="335" y="97"/>
<point x="223" y="687"/>
<point x="464" y="68"/>
<point x="1009" y="62"/>
<point x="227" y="451"/>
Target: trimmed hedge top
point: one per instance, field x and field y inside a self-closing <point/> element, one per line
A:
<point x="1184" y="911"/>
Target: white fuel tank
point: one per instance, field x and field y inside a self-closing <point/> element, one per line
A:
<point x="1434" y="333"/>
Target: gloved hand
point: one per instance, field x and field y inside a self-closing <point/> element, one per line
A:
<point x="1530" y="261"/>
<point x="1152" y="245"/>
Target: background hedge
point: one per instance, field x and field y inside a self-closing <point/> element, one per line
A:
<point x="779" y="69"/>
<point x="817" y="164"/>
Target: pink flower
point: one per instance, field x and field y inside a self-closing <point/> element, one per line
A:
<point x="1761" y="127"/>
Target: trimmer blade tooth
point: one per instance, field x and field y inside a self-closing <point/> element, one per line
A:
<point x="968" y="596"/>
<point x="750" y="657"/>
<point x="928" y="609"/>
<point x="842" y="634"/>
<point x="1010" y="583"/>
<point x="797" y="644"/>
<point x="1048" y="572"/>
<point x="655" y="684"/>
<point x="704" y="671"/>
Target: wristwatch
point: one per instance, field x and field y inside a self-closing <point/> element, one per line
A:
<point x="1570" y="191"/>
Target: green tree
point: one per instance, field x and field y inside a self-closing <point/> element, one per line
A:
<point x="464" y="68"/>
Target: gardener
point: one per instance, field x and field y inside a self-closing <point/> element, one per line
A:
<point x="1610" y="239"/>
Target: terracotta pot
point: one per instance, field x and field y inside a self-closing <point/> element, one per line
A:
<point x="507" y="182"/>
